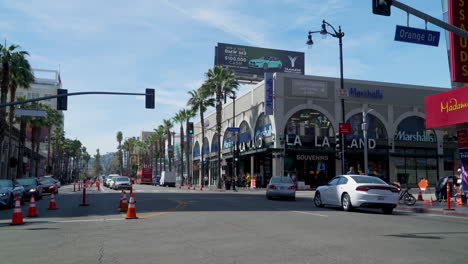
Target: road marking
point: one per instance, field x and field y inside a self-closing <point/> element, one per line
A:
<point x="449" y="216"/>
<point x="180" y="205"/>
<point x="307" y="213"/>
<point x="87" y="220"/>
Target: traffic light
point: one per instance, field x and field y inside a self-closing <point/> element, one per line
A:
<point x="338" y="141"/>
<point x="236" y="155"/>
<point x="190" y="128"/>
<point x="149" y="98"/>
<point x="62" y="102"/>
<point x="381" y="7"/>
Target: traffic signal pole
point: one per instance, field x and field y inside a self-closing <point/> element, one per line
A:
<point x="460" y="32"/>
<point x="70" y="94"/>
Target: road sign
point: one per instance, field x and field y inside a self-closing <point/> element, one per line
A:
<point x="30" y="112"/>
<point x="345" y="128"/>
<point x="233" y="129"/>
<point x="417" y="36"/>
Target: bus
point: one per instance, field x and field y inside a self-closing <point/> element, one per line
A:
<point x="145" y="176"/>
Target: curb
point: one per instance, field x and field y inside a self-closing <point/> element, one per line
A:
<point x="421" y="210"/>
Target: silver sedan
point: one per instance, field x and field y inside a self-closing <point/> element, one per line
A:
<point x="281" y="187"/>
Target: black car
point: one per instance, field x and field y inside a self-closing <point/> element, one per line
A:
<point x="8" y="193"/>
<point x="31" y="186"/>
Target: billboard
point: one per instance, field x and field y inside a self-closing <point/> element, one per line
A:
<point x="458" y="46"/>
<point x="252" y="60"/>
<point x="446" y="109"/>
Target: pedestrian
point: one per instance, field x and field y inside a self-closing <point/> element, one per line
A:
<point x="351" y="170"/>
<point x="441" y="189"/>
<point x="205" y="181"/>
<point x="259" y="181"/>
<point x="247" y="180"/>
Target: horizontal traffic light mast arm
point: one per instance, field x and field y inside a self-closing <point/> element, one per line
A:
<point x="460" y="32"/>
<point x="67" y="94"/>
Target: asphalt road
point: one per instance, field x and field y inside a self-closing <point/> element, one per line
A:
<point x="180" y="226"/>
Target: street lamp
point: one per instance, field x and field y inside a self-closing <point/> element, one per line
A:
<point x="339" y="35"/>
<point x="366" y="141"/>
<point x="234" y="143"/>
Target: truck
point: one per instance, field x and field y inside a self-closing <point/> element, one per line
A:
<point x="168" y="178"/>
<point x="145" y="176"/>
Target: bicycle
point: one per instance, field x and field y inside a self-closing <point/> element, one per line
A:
<point x="405" y="196"/>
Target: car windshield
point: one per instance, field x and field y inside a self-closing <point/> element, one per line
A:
<point x="123" y="179"/>
<point x="281" y="180"/>
<point x="368" y="179"/>
<point x="27" y="181"/>
<point x="6" y="183"/>
<point x="47" y="181"/>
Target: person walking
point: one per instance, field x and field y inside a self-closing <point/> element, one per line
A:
<point x="205" y="181"/>
<point x="351" y="171"/>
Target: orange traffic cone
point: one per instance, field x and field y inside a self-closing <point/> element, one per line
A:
<point x="121" y="198"/>
<point x="131" y="212"/>
<point x="420" y="198"/>
<point x="17" y="214"/>
<point x="459" y="200"/>
<point x="431" y="201"/>
<point x="32" y="212"/>
<point x="124" y="204"/>
<point x="52" y="205"/>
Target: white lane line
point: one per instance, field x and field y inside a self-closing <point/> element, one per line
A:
<point x="307" y="213"/>
<point x="88" y="220"/>
<point x="449" y="216"/>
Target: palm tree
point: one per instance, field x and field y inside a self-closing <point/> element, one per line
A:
<point x="57" y="141"/>
<point x="20" y="75"/>
<point x="160" y="148"/>
<point x="221" y="82"/>
<point x="189" y="114"/>
<point x="119" y="139"/>
<point x="199" y="101"/>
<point x="180" y="118"/>
<point x="7" y="56"/>
<point x="53" y="119"/>
<point x="167" y="127"/>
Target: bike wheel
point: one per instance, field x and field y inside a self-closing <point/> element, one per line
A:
<point x="409" y="199"/>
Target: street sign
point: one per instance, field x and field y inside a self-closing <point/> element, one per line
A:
<point x="30" y="112"/>
<point x="343" y="93"/>
<point x="345" y="128"/>
<point x="233" y="129"/>
<point x="417" y="36"/>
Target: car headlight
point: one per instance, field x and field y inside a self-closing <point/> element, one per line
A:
<point x="3" y="194"/>
<point x="32" y="190"/>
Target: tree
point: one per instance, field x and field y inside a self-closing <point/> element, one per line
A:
<point x="167" y="127"/>
<point x="159" y="132"/>
<point x="119" y="156"/>
<point x="53" y="119"/>
<point x="20" y="75"/>
<point x="220" y="82"/>
<point x="180" y="118"/>
<point x="97" y="163"/>
<point x="199" y="101"/>
<point x="7" y="56"/>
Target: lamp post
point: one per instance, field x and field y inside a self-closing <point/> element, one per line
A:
<point x="339" y="35"/>
<point x="234" y="144"/>
<point x="366" y="140"/>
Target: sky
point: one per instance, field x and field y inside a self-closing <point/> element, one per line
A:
<point x="127" y="46"/>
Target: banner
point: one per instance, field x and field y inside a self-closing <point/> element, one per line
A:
<point x="464" y="168"/>
<point x="268" y="103"/>
<point x="447" y="108"/>
<point x="458" y="16"/>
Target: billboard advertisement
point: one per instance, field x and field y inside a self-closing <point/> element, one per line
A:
<point x="458" y="46"/>
<point x="447" y="108"/>
<point x="252" y="60"/>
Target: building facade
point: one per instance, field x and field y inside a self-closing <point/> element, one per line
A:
<point x="299" y="138"/>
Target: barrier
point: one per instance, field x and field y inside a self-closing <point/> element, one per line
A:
<point x="17" y="218"/>
<point x="83" y="202"/>
<point x="32" y="211"/>
<point x="449" y="196"/>
<point x="52" y="205"/>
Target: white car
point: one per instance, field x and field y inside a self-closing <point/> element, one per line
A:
<point x="350" y="191"/>
<point x="282" y="187"/>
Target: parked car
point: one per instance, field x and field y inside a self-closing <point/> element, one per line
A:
<point x="110" y="180"/>
<point x="8" y="193"/>
<point x="121" y="183"/>
<point x="31" y="186"/>
<point x="266" y="62"/>
<point x="57" y="182"/>
<point x="281" y="187"/>
<point x="48" y="185"/>
<point x="351" y="191"/>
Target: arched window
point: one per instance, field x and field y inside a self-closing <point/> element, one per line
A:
<point x="244" y="133"/>
<point x="263" y="127"/>
<point x="206" y="147"/>
<point x="308" y="124"/>
<point x="196" y="150"/>
<point x="227" y="140"/>
<point x="214" y="144"/>
<point x="413" y="129"/>
<point x="375" y="128"/>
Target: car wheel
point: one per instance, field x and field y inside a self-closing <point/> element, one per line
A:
<point x="318" y="200"/>
<point x="346" y="202"/>
<point x="387" y="210"/>
<point x="268" y="197"/>
<point x="293" y="198"/>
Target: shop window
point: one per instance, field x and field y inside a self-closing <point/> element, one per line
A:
<point x="376" y="129"/>
<point x="413" y="129"/>
<point x="206" y="147"/>
<point x="263" y="127"/>
<point x="196" y="150"/>
<point x="227" y="140"/>
<point x="244" y="133"/>
<point x="215" y="144"/>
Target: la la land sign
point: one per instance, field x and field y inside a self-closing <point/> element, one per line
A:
<point x="325" y="142"/>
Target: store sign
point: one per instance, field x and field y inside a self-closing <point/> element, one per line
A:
<point x="253" y="60"/>
<point x="367" y="93"/>
<point x="417" y="137"/>
<point x="447" y="108"/>
<point x="258" y="144"/>
<point x="311" y="157"/>
<point x="457" y="16"/>
<point x="264" y="131"/>
<point x="320" y="142"/>
<point x="268" y="100"/>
